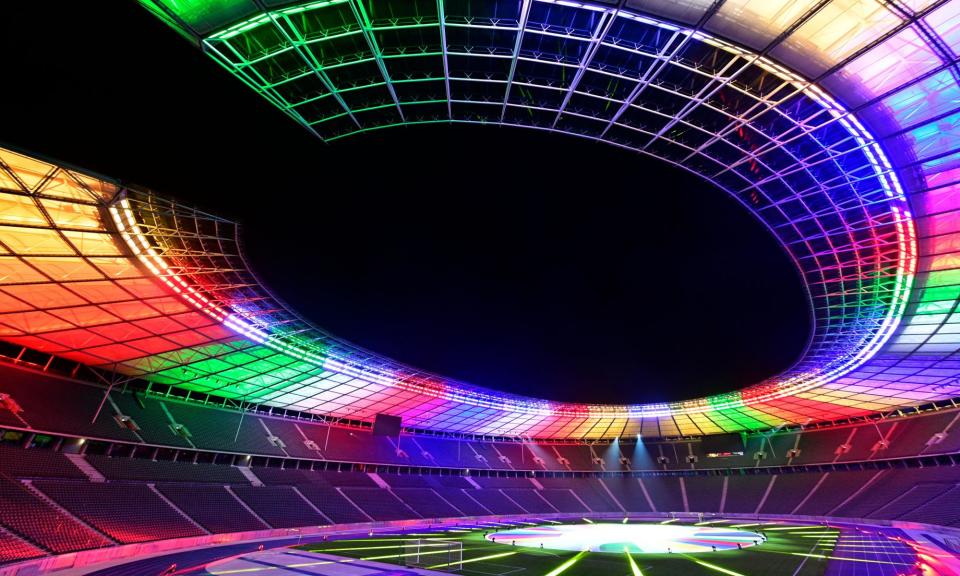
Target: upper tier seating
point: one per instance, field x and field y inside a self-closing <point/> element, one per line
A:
<point x="216" y="429"/>
<point x="54" y="404"/>
<point x="151" y="416"/>
<point x="36" y="464"/>
<point x="151" y="471"/>
<point x="289" y="433"/>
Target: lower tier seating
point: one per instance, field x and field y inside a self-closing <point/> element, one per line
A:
<point x="27" y="515"/>
<point x="13" y="548"/>
<point x="127" y="513"/>
<point x="55" y="515"/>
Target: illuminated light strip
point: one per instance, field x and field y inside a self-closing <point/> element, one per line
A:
<point x="625" y="520"/>
<point x="396" y="539"/>
<point x="670" y="521"/>
<point x="566" y="565"/>
<point x="851" y="559"/>
<point x="432" y="552"/>
<point x="798" y="528"/>
<point x="634" y="569"/>
<point x="879" y="546"/>
<point x="265" y="568"/>
<point x="256" y="21"/>
<point x="587" y="520"/>
<point x="373" y="547"/>
<point x="481" y="558"/>
<point x="715" y="567"/>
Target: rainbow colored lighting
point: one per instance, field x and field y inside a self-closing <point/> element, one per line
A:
<point x="841" y="138"/>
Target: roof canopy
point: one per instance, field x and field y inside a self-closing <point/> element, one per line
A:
<point x="831" y="121"/>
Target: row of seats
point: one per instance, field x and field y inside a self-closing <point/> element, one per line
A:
<point x="62" y="514"/>
<point x="53" y="404"/>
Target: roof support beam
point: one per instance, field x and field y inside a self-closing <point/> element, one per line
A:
<point x="609" y="17"/>
<point x="360" y="13"/>
<point x="314" y="66"/>
<point x="663" y="60"/>
<point x="521" y="27"/>
<point x="441" y="15"/>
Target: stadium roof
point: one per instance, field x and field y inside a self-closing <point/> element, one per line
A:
<point x="832" y="121"/>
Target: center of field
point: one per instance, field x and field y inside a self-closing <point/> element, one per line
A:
<point x="632" y="538"/>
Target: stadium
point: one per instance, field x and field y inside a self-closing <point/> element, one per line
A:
<point x="163" y="411"/>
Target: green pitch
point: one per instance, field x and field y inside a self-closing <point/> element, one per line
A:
<point x="789" y="550"/>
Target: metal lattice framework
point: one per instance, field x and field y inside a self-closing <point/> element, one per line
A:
<point x="832" y="121"/>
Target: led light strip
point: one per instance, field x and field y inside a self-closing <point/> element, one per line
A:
<point x="136" y="240"/>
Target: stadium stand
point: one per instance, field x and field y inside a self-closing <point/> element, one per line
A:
<point x="379" y="504"/>
<point x="495" y="501"/>
<point x="160" y="484"/>
<point x="744" y="493"/>
<point x="13" y="549"/>
<point x="332" y="503"/>
<point x="564" y="500"/>
<point x="458" y="498"/>
<point x="223" y="430"/>
<point x="213" y="507"/>
<point x="54" y="404"/>
<point x="704" y="493"/>
<point x="426" y="503"/>
<point x="60" y="510"/>
<point x="151" y="417"/>
<point x="126" y="512"/>
<point x="280" y="506"/>
<point x="787" y="491"/>
<point x="25" y="514"/>
<point x="529" y="499"/>
<point x="153" y="471"/>
<point x="626" y="491"/>
<point x="666" y="493"/>
<point x="37" y="463"/>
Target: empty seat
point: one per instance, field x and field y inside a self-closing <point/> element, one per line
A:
<point x="26" y="515"/>
<point x="279" y="506"/>
<point x="212" y="507"/>
<point x="128" y="513"/>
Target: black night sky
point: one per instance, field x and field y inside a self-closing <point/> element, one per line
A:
<point x="528" y="262"/>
